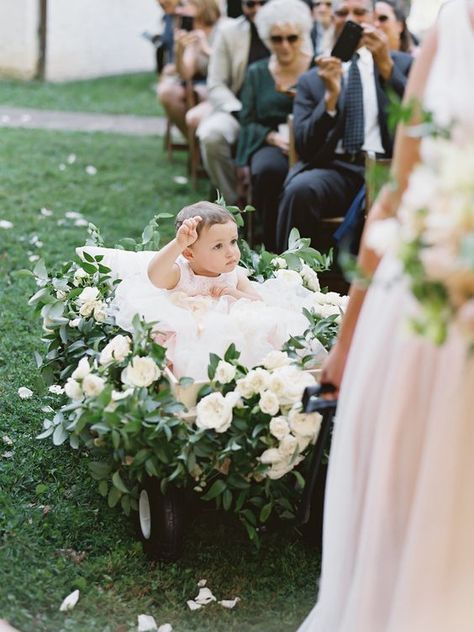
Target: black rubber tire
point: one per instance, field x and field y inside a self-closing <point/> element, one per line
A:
<point x="162" y="530"/>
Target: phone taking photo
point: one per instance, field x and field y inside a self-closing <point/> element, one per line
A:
<point x="187" y="23"/>
<point x="348" y="41"/>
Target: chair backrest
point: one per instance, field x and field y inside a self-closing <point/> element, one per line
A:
<point x="292" y="155"/>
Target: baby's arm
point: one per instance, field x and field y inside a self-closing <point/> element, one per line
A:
<point x="163" y="271"/>
<point x="244" y="289"/>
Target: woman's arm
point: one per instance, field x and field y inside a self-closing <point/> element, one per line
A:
<point x="406" y="155"/>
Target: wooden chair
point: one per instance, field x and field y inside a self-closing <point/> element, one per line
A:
<point x="195" y="166"/>
<point x="170" y="144"/>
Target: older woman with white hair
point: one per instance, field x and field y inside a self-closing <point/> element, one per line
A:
<point x="266" y="96"/>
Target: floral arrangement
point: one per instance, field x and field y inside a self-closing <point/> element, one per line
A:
<point x="435" y="237"/>
<point x="245" y="446"/>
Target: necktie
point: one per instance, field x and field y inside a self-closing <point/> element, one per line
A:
<point x="353" y="138"/>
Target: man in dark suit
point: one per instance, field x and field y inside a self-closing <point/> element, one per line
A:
<point x="340" y="114"/>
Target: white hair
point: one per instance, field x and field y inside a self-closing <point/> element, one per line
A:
<point x="282" y="12"/>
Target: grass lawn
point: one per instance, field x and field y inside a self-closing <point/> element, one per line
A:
<point x="49" y="508"/>
<point x="119" y="94"/>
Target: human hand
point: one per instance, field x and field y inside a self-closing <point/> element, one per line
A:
<point x="277" y="140"/>
<point x="187" y="232"/>
<point x="377" y="42"/>
<point x="330" y="71"/>
<point x="216" y="291"/>
<point x="332" y="369"/>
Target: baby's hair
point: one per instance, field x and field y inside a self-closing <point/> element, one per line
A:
<point x="211" y="214"/>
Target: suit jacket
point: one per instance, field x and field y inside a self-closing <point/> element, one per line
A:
<point x="317" y="133"/>
<point x="228" y="64"/>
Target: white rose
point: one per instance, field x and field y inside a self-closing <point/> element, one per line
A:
<point x="302" y="424"/>
<point x="275" y="359"/>
<point x="116" y="396"/>
<point x="279" y="262"/>
<point x="269" y="403"/>
<point x="74" y="323"/>
<point x="254" y="382"/>
<point x="288" y="384"/>
<point x="61" y="295"/>
<point x="93" y="385"/>
<point x="141" y="372"/>
<point x="79" y="275"/>
<point x="100" y="313"/>
<point x="83" y="369"/>
<point x="279" y="427"/>
<point x="281" y="468"/>
<point x="383" y="236"/>
<point x="270" y="456"/>
<point x="327" y="310"/>
<point x="88" y="295"/>
<point x="25" y="393"/>
<point x="86" y="309"/>
<point x="214" y="412"/>
<point x="225" y="372"/>
<point x="73" y="389"/>
<point x="116" y="350"/>
<point x="289" y="276"/>
<point x="310" y="278"/>
<point x="288" y="446"/>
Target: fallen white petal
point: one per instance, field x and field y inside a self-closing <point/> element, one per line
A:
<point x="4" y="223"/>
<point x="33" y="258"/>
<point x="69" y="602"/>
<point x="166" y="627"/>
<point x="180" y="180"/>
<point x="72" y="215"/>
<point x="56" y="389"/>
<point x="62" y="167"/>
<point x="205" y="596"/>
<point x="39" y="244"/>
<point x="201" y="583"/>
<point x="91" y="170"/>
<point x="71" y="159"/>
<point x="7" y="455"/>
<point x="81" y="222"/>
<point x="192" y="605"/>
<point x="24" y="392"/>
<point x="6" y="440"/>
<point x="46" y="212"/>
<point x="229" y="603"/>
<point x="146" y="623"/>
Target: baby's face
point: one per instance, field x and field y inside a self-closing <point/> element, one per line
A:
<point x="216" y="250"/>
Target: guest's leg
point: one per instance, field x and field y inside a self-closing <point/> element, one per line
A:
<point x="197" y="114"/>
<point x="311" y="196"/>
<point x="173" y="98"/>
<point x="268" y="168"/>
<point x="217" y="134"/>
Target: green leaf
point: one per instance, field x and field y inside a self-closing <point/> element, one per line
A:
<point x="265" y="512"/>
<point x="119" y="484"/>
<point x="227" y="499"/>
<point x="99" y="469"/>
<point x="113" y="497"/>
<point x="213" y="362"/>
<point x="215" y="490"/>
<point x="103" y="488"/>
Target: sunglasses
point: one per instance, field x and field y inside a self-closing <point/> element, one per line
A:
<point x="251" y="4"/>
<point x="382" y="18"/>
<point x="279" y="39"/>
<point x="358" y="12"/>
<point x="319" y="4"/>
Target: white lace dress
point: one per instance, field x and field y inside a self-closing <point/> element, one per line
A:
<point x="194" y="324"/>
<point x="398" y="544"/>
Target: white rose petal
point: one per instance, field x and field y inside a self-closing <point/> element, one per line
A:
<point x="93" y="385"/>
<point x="116" y="350"/>
<point x="82" y="369"/>
<point x="288" y="384"/>
<point x="56" y="389"/>
<point x="279" y="427"/>
<point x="289" y="276"/>
<point x="4" y="223"/>
<point x="225" y="372"/>
<point x="87" y="309"/>
<point x="33" y="258"/>
<point x="201" y="583"/>
<point x="141" y="372"/>
<point x="79" y="275"/>
<point x="229" y="603"/>
<point x="166" y="627"/>
<point x="88" y="295"/>
<point x="25" y="393"/>
<point x="269" y="403"/>
<point x="73" y="389"/>
<point x="192" y="605"/>
<point x="288" y="446"/>
<point x="61" y="295"/>
<point x="100" y="312"/>
<point x="72" y="214"/>
<point x="81" y="222"/>
<point x="6" y="440"/>
<point x="270" y="456"/>
<point x="275" y="359"/>
<point x="91" y="170"/>
<point x="180" y="179"/>
<point x="146" y="623"/>
<point x="74" y="323"/>
<point x="45" y="212"/>
<point x="214" y="412"/>
<point x="204" y="597"/>
<point x="310" y="278"/>
<point x="256" y="381"/>
<point x="71" y="159"/>
<point x="69" y="602"/>
<point x="305" y="425"/>
<point x="62" y="167"/>
<point x="279" y="262"/>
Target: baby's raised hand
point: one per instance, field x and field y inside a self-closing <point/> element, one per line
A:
<point x="187" y="232"/>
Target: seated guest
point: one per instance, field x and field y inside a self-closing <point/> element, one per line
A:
<point x="192" y="52"/>
<point x="340" y="113"/>
<point x="390" y="18"/>
<point x="237" y="46"/>
<point x="284" y="26"/>
<point x="165" y="41"/>
<point x="322" y="34"/>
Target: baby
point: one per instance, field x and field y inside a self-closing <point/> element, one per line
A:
<point x="203" y="257"/>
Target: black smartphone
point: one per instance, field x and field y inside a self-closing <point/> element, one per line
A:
<point x="187" y="22"/>
<point x="348" y="41"/>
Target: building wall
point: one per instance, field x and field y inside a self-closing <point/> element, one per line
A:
<point x="18" y="38"/>
<point x="85" y="38"/>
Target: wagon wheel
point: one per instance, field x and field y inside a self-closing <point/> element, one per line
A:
<point x="161" y="520"/>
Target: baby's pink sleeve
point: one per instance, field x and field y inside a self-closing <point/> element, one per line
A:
<point x="242" y="273"/>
